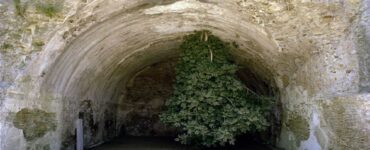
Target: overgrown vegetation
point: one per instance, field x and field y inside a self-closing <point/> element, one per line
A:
<point x="38" y="43"/>
<point x="20" y="8"/>
<point x="5" y="47"/>
<point x="48" y="8"/>
<point x="210" y="104"/>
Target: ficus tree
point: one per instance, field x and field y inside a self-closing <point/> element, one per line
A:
<point x="210" y="105"/>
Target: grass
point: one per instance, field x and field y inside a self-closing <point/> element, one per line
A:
<point x="5" y="47"/>
<point x="19" y="8"/>
<point x="49" y="9"/>
<point x="38" y="43"/>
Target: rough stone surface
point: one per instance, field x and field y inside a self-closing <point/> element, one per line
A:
<point x="348" y="130"/>
<point x="314" y="51"/>
<point x="145" y="99"/>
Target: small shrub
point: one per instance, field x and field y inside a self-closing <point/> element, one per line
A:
<point x="210" y="104"/>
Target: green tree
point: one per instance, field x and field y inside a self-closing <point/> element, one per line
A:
<point x="210" y="105"/>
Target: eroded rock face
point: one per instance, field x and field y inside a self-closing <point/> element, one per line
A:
<point x="145" y="99"/>
<point x="90" y="50"/>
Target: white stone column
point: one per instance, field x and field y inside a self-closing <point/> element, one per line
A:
<point x="79" y="134"/>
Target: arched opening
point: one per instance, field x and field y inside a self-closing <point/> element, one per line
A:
<point x="113" y="100"/>
<point x="107" y="98"/>
<point x="95" y="73"/>
<point x="94" y="50"/>
<point x="114" y="91"/>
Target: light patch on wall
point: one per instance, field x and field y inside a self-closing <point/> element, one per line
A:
<point x="183" y="6"/>
<point x="173" y="27"/>
<point x="177" y="7"/>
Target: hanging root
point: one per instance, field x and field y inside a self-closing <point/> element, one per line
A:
<point x="210" y="51"/>
<point x="205" y="36"/>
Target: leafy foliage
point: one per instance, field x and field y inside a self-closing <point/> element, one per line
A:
<point x="210" y="104"/>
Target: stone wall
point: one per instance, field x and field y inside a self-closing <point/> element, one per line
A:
<point x="66" y="57"/>
<point x="144" y="100"/>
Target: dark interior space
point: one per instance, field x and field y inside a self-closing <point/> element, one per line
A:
<point x="145" y="98"/>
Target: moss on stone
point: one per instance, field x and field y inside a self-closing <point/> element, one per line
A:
<point x="300" y="127"/>
<point x="285" y="79"/>
<point x="35" y="123"/>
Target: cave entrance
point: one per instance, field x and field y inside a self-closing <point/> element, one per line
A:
<point x="144" y="98"/>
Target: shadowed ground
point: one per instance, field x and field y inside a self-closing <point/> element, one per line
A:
<point x="164" y="143"/>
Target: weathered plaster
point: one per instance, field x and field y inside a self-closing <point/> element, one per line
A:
<point x="313" y="51"/>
